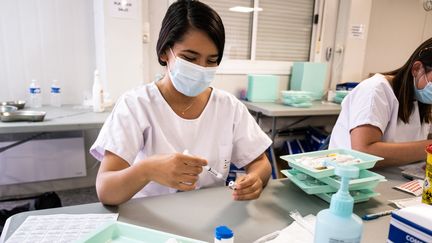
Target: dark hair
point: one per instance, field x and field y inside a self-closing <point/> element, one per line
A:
<point x="403" y="83"/>
<point x="184" y="15"/>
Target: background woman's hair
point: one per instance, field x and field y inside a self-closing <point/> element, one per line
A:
<point x="184" y="15"/>
<point x="403" y="83"/>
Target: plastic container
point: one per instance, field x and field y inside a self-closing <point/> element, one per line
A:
<point x="122" y="232"/>
<point x="98" y="95"/>
<point x="223" y="234"/>
<point x="55" y="95"/>
<point x="366" y="161"/>
<point x="297" y="98"/>
<point x="427" y="185"/>
<point x="309" y="76"/>
<point x="262" y="88"/>
<point x="307" y="183"/>
<point x="366" y="180"/>
<point x="359" y="196"/>
<point x="35" y="98"/>
<point x="338" y="223"/>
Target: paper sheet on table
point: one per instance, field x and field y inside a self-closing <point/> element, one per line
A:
<point x="407" y="202"/>
<point x="59" y="227"/>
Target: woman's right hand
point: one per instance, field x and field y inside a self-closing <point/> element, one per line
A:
<point x="179" y="171"/>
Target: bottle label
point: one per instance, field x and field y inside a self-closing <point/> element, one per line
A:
<point x="35" y="90"/>
<point x="427" y="187"/>
<point x="55" y="90"/>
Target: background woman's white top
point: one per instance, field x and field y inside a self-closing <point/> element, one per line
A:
<point x="373" y="102"/>
<point x="143" y="124"/>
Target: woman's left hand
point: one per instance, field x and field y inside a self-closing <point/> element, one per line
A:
<point x="248" y="187"/>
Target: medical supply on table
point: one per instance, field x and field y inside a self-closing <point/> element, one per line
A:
<point x="98" y="96"/>
<point x="414" y="187"/>
<point x="377" y="215"/>
<point x="209" y="169"/>
<point x="309" y="76"/>
<point x="318" y="162"/>
<point x="299" y="231"/>
<point x="262" y="88"/>
<point x="55" y="94"/>
<point x="427" y="185"/>
<point x="411" y="224"/>
<point x="35" y="98"/>
<point x="407" y="202"/>
<point x="414" y="170"/>
<point x="223" y="234"/>
<point x="317" y="176"/>
<point x="124" y="232"/>
<point x="232" y="185"/>
<point x="297" y="98"/>
<point x="338" y="223"/>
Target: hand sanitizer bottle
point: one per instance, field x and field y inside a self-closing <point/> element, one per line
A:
<point x="223" y="234"/>
<point x="98" y="96"/>
<point x="35" y="98"/>
<point x="55" y="96"/>
<point x="338" y="223"/>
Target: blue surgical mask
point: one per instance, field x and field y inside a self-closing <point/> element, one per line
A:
<point x="424" y="95"/>
<point x="190" y="79"/>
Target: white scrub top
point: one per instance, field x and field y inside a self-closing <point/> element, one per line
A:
<point x="142" y="124"/>
<point x="373" y="102"/>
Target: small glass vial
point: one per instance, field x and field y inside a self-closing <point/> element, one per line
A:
<point x="55" y="96"/>
<point x="223" y="234"/>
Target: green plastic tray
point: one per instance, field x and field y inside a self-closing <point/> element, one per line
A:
<point x="309" y="185"/>
<point x="123" y="232"/>
<point x="358" y="195"/>
<point x="366" y="180"/>
<point x="367" y="161"/>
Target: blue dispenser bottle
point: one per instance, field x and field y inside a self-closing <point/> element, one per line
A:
<point x="338" y="223"/>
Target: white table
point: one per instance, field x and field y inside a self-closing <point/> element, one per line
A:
<point x="195" y="214"/>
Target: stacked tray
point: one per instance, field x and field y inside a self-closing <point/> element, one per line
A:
<point x="124" y="232"/>
<point x="313" y="172"/>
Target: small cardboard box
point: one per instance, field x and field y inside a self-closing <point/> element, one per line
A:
<point x="411" y="224"/>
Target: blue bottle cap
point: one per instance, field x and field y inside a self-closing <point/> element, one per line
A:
<point x="223" y="232"/>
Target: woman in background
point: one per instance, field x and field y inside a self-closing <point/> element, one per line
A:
<point x="141" y="145"/>
<point x="389" y="114"/>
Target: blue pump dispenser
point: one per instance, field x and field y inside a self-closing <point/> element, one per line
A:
<point x="338" y="223"/>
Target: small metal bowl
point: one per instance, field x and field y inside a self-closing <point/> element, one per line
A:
<point x="34" y="116"/>
<point x="7" y="108"/>
<point x="17" y="103"/>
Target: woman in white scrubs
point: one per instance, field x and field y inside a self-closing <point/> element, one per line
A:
<point x="389" y="114"/>
<point x="142" y="145"/>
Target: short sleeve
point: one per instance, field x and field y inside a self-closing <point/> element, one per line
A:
<point x="372" y="106"/>
<point x="121" y="133"/>
<point x="249" y="140"/>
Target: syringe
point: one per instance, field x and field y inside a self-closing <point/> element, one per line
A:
<point x="208" y="168"/>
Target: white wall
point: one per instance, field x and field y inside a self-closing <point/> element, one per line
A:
<point x="119" y="46"/>
<point x="397" y="27"/>
<point x="46" y="40"/>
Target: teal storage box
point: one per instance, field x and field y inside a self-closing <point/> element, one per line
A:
<point x="123" y="232"/>
<point x="309" y="76"/>
<point x="262" y="88"/>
